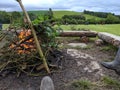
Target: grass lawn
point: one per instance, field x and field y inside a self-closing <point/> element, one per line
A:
<point x="111" y="28"/>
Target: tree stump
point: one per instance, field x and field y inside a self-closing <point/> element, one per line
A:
<point x="98" y="42"/>
<point x="84" y="39"/>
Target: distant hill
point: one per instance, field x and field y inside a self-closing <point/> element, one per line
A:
<point x="59" y="14"/>
<point x="70" y="17"/>
<point x="40" y="12"/>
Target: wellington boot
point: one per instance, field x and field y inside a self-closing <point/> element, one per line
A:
<point x="114" y="65"/>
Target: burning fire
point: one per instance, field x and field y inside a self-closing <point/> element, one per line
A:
<point x="27" y="46"/>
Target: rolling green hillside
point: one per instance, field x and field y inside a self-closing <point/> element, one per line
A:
<point x="91" y="17"/>
<point x="41" y="12"/>
<point x="59" y="14"/>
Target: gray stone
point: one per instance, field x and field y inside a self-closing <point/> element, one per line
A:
<point x="91" y="67"/>
<point x="78" y="54"/>
<point x="98" y="42"/>
<point x="94" y="65"/>
<point x="95" y="68"/>
<point x="81" y="45"/>
<point x="84" y="39"/>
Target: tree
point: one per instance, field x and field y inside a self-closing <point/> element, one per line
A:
<point x="16" y="17"/>
<point x="112" y="19"/>
<point x="48" y="15"/>
<point x="32" y="16"/>
<point x="4" y="17"/>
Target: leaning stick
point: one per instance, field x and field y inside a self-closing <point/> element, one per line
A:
<point x="34" y="36"/>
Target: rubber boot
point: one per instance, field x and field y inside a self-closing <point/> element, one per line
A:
<point x="114" y="65"/>
<point x="47" y="84"/>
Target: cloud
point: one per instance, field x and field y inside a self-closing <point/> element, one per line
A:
<point x="74" y="5"/>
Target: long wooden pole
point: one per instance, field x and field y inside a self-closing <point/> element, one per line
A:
<point x="35" y="36"/>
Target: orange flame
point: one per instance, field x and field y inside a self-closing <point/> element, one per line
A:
<point x="27" y="46"/>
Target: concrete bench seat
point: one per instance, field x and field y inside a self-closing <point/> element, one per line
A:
<point x="110" y="38"/>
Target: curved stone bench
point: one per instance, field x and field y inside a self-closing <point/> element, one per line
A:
<point x="110" y="38"/>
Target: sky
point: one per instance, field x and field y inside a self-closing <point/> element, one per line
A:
<point x="71" y="5"/>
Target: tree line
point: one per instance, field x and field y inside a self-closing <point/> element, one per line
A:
<point x="17" y="17"/>
<point x="104" y="18"/>
<point x="14" y="17"/>
<point x="73" y="19"/>
<point x="98" y="14"/>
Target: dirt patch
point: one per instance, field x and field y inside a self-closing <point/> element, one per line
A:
<point x="74" y="67"/>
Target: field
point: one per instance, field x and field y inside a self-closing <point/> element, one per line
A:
<point x="110" y="28"/>
<point x="59" y="14"/>
<point x="42" y="12"/>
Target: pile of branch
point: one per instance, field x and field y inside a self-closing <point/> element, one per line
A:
<point x="29" y="63"/>
<point x="34" y="61"/>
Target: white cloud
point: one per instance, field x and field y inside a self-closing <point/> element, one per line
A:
<point x="74" y="5"/>
<point x="38" y="2"/>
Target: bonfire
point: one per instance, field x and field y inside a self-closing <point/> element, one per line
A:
<point x="31" y="50"/>
<point x="27" y="46"/>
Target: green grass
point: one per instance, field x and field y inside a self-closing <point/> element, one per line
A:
<point x="41" y="12"/>
<point x="110" y="28"/>
<point x="109" y="47"/>
<point x="92" y="17"/>
<point x="106" y="83"/>
<point x="110" y="82"/>
<point x="5" y="26"/>
<point x="82" y="85"/>
<point x="59" y="14"/>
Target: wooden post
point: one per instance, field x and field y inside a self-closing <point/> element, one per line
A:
<point x="35" y="36"/>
